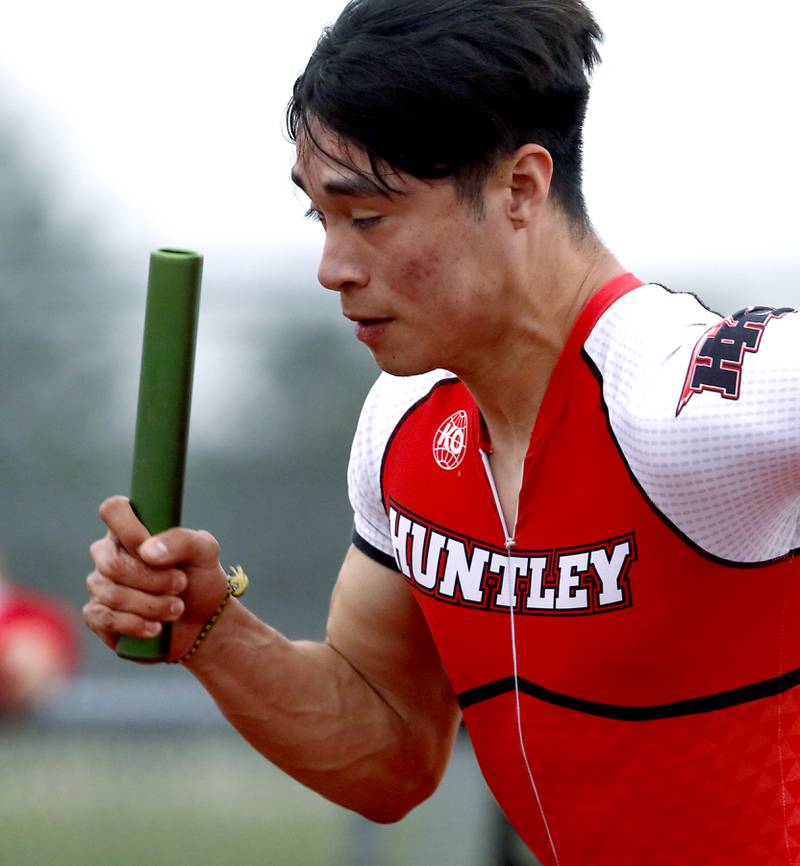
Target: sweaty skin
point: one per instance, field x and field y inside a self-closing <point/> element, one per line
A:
<point x="368" y="718"/>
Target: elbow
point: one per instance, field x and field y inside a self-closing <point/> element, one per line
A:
<point x="381" y="816"/>
<point x="401" y="799"/>
<point x="414" y="773"/>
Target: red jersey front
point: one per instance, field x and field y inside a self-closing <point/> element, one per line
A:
<point x="627" y="662"/>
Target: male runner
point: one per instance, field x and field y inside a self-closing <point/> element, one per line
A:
<point x="576" y="496"/>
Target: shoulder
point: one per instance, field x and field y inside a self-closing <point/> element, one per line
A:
<point x="676" y="338"/>
<point x="705" y="410"/>
<point x="389" y="401"/>
<point x="649" y="329"/>
<point x="664" y="355"/>
<point x="391" y="398"/>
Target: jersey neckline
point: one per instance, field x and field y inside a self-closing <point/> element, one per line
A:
<point x="557" y="389"/>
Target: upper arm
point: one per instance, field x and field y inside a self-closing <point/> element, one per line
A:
<point x="374" y="621"/>
<point x="377" y="626"/>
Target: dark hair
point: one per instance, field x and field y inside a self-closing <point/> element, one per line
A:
<point x="445" y="88"/>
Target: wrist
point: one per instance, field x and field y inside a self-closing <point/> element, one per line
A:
<point x="236" y="586"/>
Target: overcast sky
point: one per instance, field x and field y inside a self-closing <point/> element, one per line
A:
<point x="164" y="121"/>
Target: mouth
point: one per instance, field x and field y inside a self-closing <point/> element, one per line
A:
<point x="369" y="330"/>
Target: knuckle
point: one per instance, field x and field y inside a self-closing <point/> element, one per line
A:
<point x="104" y="618"/>
<point x="104" y="591"/>
<point x="152" y="580"/>
<point x="109" y="595"/>
<point x="96" y="617"/>
<point x="96" y="583"/>
<point x="87" y="613"/>
<point x="208" y="541"/>
<point x="93" y="583"/>
<point x="114" y="565"/>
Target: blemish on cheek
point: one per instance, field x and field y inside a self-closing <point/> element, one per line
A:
<point x="421" y="269"/>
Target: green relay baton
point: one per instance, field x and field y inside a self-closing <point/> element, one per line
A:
<point x="162" y="417"/>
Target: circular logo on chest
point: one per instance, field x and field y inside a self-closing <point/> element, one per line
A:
<point x="450" y="441"/>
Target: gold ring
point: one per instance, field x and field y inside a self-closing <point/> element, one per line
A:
<point x="238" y="581"/>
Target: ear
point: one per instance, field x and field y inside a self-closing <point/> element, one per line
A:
<point x="528" y="175"/>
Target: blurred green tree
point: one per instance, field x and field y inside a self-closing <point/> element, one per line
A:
<point x="70" y="330"/>
<point x="53" y="341"/>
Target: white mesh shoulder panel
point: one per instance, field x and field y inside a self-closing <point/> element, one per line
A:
<point x="388" y="400"/>
<point x="726" y="472"/>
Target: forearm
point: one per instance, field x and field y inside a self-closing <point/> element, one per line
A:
<point x="367" y="719"/>
<point x="305" y="708"/>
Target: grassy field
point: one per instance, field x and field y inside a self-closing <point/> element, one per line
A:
<point x="101" y="799"/>
<point x="111" y="799"/>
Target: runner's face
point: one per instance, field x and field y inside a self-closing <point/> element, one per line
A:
<point x="417" y="272"/>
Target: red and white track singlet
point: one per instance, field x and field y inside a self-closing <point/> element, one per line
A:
<point x="628" y="666"/>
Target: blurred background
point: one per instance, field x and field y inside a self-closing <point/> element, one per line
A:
<point x="125" y="127"/>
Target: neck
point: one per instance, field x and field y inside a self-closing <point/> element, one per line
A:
<point x="508" y="377"/>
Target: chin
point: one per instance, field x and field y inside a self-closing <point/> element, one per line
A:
<point x="396" y="365"/>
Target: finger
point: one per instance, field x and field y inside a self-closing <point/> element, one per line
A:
<point x="119" y="517"/>
<point x="92" y="621"/>
<point x="179" y="546"/>
<point x="108" y="624"/>
<point x="118" y="565"/>
<point x="157" y="608"/>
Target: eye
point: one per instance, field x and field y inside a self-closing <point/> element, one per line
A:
<point x="315" y="216"/>
<point x="366" y="222"/>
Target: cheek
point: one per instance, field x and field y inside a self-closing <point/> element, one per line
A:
<point x="421" y="273"/>
<point x="441" y="270"/>
<point x="437" y="269"/>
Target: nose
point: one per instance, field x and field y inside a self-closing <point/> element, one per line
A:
<point x="339" y="268"/>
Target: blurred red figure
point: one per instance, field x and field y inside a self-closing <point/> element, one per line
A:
<point x="38" y="647"/>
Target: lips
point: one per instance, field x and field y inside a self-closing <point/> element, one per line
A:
<point x="369" y="331"/>
<point x="358" y="318"/>
<point x="370" y="322"/>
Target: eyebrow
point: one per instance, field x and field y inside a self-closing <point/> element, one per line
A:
<point x="353" y="187"/>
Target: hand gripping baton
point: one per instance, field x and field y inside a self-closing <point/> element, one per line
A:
<point x="162" y="417"/>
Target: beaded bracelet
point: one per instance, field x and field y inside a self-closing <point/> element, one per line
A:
<point x="238" y="582"/>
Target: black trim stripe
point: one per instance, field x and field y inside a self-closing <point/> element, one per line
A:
<point x="694" y="295"/>
<point x="690" y="707"/>
<point x="373" y="553"/>
<point x="712" y="557"/>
